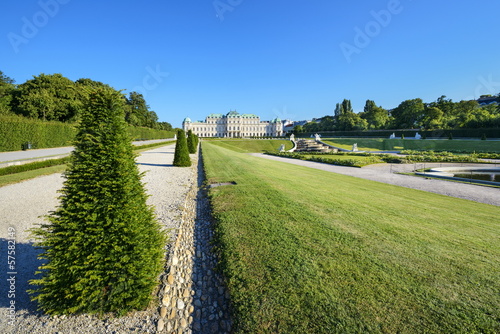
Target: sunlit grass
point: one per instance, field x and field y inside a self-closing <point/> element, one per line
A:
<point x="252" y="145"/>
<point x="307" y="251"/>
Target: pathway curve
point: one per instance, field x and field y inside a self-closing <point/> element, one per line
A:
<point x="385" y="173"/>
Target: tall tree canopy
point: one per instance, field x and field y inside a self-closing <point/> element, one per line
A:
<point x="6" y="92"/>
<point x="50" y="97"/>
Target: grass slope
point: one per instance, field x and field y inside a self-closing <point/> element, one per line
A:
<point x="381" y="144"/>
<point x="251" y="145"/>
<point x="307" y="251"/>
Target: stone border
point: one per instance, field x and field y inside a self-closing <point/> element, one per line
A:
<point x="193" y="297"/>
<point x="176" y="294"/>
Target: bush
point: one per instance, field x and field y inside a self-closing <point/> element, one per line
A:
<point x="103" y="249"/>
<point x="32" y="166"/>
<point x="191" y="142"/>
<point x="181" y="155"/>
<point x="483" y="137"/>
<point x="17" y="130"/>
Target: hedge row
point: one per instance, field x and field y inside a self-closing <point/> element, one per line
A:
<point x="15" y="131"/>
<point x="32" y="166"/>
<point x="409" y="133"/>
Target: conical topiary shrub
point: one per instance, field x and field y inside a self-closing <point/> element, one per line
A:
<point x="191" y="142"/>
<point x="181" y="156"/>
<point x="103" y="248"/>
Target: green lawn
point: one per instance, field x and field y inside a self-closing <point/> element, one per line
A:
<point x="358" y="160"/>
<point x="22" y="176"/>
<point x="381" y="144"/>
<point x="307" y="251"/>
<point x="251" y="145"/>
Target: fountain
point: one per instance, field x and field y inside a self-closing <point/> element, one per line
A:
<point x="482" y="175"/>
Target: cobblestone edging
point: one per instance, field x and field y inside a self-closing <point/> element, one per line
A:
<point x="193" y="298"/>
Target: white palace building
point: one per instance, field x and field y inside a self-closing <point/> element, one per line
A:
<point x="234" y="125"/>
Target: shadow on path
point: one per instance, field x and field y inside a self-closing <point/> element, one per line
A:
<point x="17" y="273"/>
<point x="154" y="165"/>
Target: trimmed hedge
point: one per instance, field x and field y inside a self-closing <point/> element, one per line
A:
<point x="181" y="155"/>
<point x="33" y="165"/>
<point x="15" y="131"/>
<point x="408" y="133"/>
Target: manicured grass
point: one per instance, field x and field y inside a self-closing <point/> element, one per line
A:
<point x="307" y="251"/>
<point x="381" y="144"/>
<point x="22" y="176"/>
<point x="359" y="161"/>
<point x="251" y="145"/>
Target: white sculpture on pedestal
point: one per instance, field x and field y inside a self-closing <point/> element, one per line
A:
<point x="392" y="136"/>
<point x="418" y="136"/>
<point x="317" y="136"/>
<point x="355" y="147"/>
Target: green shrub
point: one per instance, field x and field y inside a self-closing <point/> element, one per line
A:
<point x="32" y="166"/>
<point x="483" y="137"/>
<point x="17" y="130"/>
<point x="181" y="155"/>
<point x="191" y="142"/>
<point x="103" y="249"/>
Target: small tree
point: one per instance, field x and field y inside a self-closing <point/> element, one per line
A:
<point x="450" y="136"/>
<point x="191" y="142"/>
<point x="181" y="156"/>
<point x="103" y="248"/>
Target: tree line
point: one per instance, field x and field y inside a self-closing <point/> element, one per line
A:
<point x="410" y="114"/>
<point x="53" y="97"/>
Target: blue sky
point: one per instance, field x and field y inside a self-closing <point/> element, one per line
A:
<point x="289" y="59"/>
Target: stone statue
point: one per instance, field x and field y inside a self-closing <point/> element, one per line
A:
<point x="392" y="136"/>
<point x="355" y="147"/>
<point x="175" y="136"/>
<point x="282" y="148"/>
<point x="418" y="136"/>
<point x="317" y="136"/>
<point x="292" y="137"/>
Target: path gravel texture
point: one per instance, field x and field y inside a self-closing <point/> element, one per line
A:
<point x="386" y="173"/>
<point x="23" y="205"/>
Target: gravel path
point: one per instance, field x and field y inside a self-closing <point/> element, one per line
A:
<point x="385" y="173"/>
<point x="21" y="206"/>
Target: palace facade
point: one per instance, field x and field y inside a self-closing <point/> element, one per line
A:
<point x="234" y="125"/>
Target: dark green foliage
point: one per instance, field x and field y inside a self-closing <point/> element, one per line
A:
<point x="141" y="133"/>
<point x="450" y="136"/>
<point x="181" y="156"/>
<point x="192" y="142"/>
<point x="483" y="137"/>
<point x="32" y="166"/>
<point x="103" y="249"/>
<point x="16" y="130"/>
